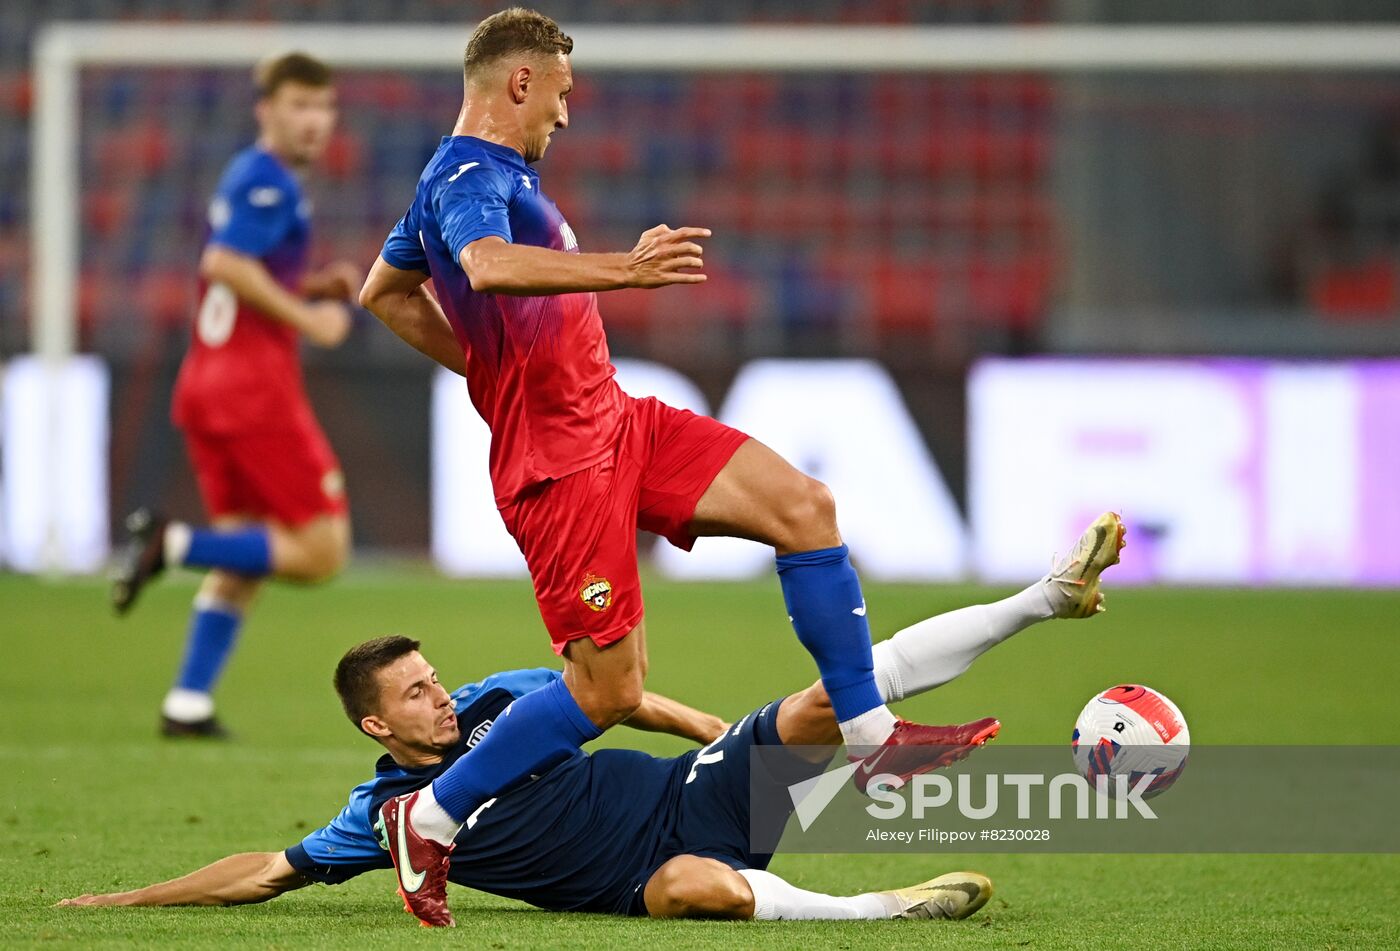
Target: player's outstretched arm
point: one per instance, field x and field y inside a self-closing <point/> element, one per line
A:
<point x="401" y="302"/>
<point x="659" y="714"/>
<point x="323" y="322"/>
<point x="663" y="255"/>
<point x="242" y="879"/>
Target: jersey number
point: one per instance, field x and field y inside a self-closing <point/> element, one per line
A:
<point x="217" y="314"/>
<point x="705" y="758"/>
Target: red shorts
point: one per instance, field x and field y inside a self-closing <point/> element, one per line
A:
<point x="579" y="533"/>
<point x="286" y="475"/>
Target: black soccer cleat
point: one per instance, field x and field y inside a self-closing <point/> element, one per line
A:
<point x="207" y="729"/>
<point x="142" y="559"/>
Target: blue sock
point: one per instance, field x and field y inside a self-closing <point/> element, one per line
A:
<point x="823" y="597"/>
<point x="213" y="631"/>
<point x="537" y="731"/>
<point x="245" y="551"/>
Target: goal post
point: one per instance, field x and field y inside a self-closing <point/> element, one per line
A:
<point x="63" y="49"/>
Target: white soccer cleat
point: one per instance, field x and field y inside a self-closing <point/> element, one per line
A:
<point x="1073" y="583"/>
<point x="952" y="896"/>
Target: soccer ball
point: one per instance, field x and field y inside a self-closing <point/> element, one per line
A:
<point x="1133" y="731"/>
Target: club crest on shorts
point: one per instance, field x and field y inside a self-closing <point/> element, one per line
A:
<point x="596" y="592"/>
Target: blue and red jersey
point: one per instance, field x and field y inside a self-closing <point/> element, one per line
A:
<point x="538" y="368"/>
<point x="243" y="368"/>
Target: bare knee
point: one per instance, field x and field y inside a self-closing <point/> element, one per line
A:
<point x="806" y="517"/>
<point x="689" y="886"/>
<point x="311" y="553"/>
<point x="229" y="589"/>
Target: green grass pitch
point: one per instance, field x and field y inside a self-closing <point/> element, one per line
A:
<point x="93" y="801"/>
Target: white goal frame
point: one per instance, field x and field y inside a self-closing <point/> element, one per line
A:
<point x="63" y="49"/>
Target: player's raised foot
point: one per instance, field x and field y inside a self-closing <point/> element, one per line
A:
<point x="953" y="896"/>
<point x="207" y="729"/>
<point x="1073" y="583"/>
<point x="420" y="864"/>
<point x="142" y="557"/>
<point x="914" y="748"/>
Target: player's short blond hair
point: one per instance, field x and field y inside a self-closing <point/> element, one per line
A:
<point x="301" y="68"/>
<point x="513" y="31"/>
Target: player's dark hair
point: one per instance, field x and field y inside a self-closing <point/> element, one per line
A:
<point x="514" y="30"/>
<point x="357" y="674"/>
<point x="271" y="74"/>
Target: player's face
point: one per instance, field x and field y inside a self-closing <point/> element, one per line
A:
<point x="546" y="108"/>
<point x="297" y="121"/>
<point x="417" y="710"/>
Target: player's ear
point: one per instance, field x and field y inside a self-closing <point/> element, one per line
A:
<point x="376" y="727"/>
<point x="520" y="83"/>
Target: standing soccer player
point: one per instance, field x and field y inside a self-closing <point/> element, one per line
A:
<point x="271" y="484"/>
<point x="576" y="464"/>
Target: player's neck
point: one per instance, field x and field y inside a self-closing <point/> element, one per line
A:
<point x="291" y="161"/>
<point x="410" y="758"/>
<point x="481" y="123"/>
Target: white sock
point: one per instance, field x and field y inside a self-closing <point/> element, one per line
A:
<point x="187" y="706"/>
<point x="871" y="728"/>
<point x="936" y="650"/>
<point x="776" y="900"/>
<point x="177" y="543"/>
<point x="431" y="821"/>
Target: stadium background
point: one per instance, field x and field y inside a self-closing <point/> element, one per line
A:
<point x="922" y="220"/>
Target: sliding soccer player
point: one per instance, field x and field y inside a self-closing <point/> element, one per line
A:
<point x="271" y="484"/>
<point x="621" y="832"/>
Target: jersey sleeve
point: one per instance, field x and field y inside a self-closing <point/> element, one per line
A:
<point x="343" y="848"/>
<point x="471" y="204"/>
<point x="252" y="211"/>
<point x="516" y="682"/>
<point x="404" y="248"/>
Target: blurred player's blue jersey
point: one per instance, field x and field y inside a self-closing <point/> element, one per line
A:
<point x="585" y="836"/>
<point x="243" y="369"/>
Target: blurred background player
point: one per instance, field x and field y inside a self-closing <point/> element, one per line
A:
<point x="270" y="482"/>
<point x="578" y="465"/>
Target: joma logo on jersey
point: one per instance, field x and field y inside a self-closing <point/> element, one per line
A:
<point x="596" y="593"/>
<point x="479" y="733"/>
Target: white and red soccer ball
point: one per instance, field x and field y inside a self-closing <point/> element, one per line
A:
<point x="1133" y="731"/>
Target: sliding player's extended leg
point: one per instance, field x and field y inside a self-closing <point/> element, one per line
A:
<point x="938" y="649"/>
<point x="693" y="886"/>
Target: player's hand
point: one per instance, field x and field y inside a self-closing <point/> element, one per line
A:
<point x="328" y="323"/>
<point x="85" y="901"/>
<point x="666" y="255"/>
<point x="339" y="280"/>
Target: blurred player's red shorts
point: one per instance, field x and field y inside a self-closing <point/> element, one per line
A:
<point x="579" y="533"/>
<point x="288" y="475"/>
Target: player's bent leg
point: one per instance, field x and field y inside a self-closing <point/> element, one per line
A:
<point x="758" y="495"/>
<point x="312" y="552"/>
<point x="692" y="886"/>
<point x="607" y="682"/>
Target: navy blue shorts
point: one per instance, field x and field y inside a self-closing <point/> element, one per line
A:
<point x="722" y="802"/>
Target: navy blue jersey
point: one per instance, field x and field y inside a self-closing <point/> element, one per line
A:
<point x="584" y="836"/>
